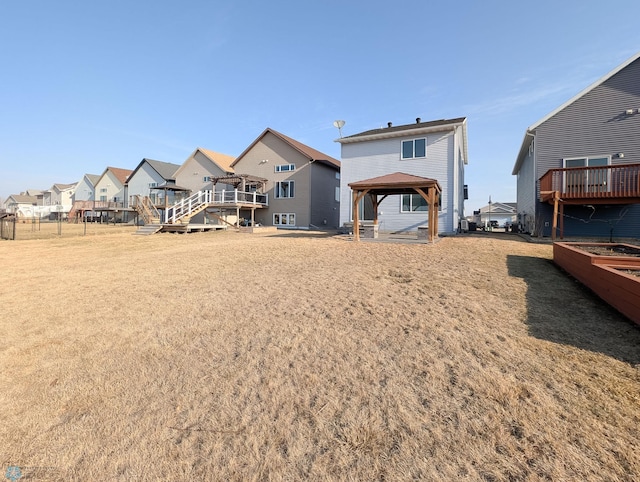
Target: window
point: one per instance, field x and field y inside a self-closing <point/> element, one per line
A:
<point x="103" y="189"/>
<point x="283" y="189"/>
<point x="284" y="219"/>
<point x="337" y="194"/>
<point x="414" y="148"/>
<point x="337" y="175"/>
<point x="412" y="203"/>
<point x="153" y="184"/>
<point x="285" y="168"/>
<point x="587" y="180"/>
<point x="206" y="179"/>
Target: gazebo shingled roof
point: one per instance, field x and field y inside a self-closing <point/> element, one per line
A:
<point x="397" y="183"/>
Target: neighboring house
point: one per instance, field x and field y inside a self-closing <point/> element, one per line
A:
<point x="503" y="213"/>
<point x="194" y="173"/>
<point x="435" y="150"/>
<point x="60" y="195"/>
<point x="302" y="184"/>
<point x="110" y="186"/>
<point x="149" y="175"/>
<point x="23" y="205"/>
<point x="85" y="190"/>
<point x="577" y="169"/>
<point x="37" y="193"/>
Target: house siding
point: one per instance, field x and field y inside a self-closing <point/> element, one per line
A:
<point x="84" y="191"/>
<point x="276" y="152"/>
<point x="594" y="125"/>
<point x="325" y="209"/>
<point x="526" y="193"/>
<point x="114" y="188"/>
<point x="366" y="160"/>
<point x="138" y="184"/>
<point x="193" y="171"/>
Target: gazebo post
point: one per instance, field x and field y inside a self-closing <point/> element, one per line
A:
<point x="433" y="217"/>
<point x="356" y="216"/>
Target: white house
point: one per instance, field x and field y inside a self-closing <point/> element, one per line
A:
<point x="85" y="190"/>
<point x="435" y="150"/>
<point x="148" y="175"/>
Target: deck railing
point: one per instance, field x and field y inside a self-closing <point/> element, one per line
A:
<point x="602" y="182"/>
<point x="198" y="201"/>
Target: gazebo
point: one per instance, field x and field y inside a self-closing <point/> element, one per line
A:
<point x="378" y="188"/>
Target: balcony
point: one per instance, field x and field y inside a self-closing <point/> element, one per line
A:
<point x="617" y="184"/>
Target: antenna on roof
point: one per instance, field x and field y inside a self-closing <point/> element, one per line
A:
<point x="339" y="124"/>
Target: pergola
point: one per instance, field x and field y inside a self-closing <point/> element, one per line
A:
<point x="241" y="181"/>
<point x="378" y="188"/>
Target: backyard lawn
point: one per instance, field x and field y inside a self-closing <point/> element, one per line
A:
<point x="292" y="356"/>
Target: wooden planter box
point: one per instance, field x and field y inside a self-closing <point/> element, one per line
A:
<point x="610" y="270"/>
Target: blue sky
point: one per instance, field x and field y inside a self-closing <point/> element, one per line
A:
<point x="86" y="85"/>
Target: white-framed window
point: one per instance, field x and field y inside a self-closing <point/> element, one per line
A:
<point x="587" y="180"/>
<point x="103" y="189"/>
<point x="413" y="203"/>
<point x="153" y="184"/>
<point x="284" y="219"/>
<point x="338" y="175"/>
<point x="285" y="167"/>
<point x="414" y="148"/>
<point x="284" y="189"/>
<point x="337" y="194"/>
<point x="206" y="179"/>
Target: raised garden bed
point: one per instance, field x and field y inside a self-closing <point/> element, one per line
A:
<point x="612" y="271"/>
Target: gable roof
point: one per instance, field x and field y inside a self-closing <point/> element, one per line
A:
<point x="166" y="170"/>
<point x="64" y="187"/>
<point x="92" y="178"/>
<point x="22" y="199"/>
<point x="119" y="173"/>
<point x="223" y="161"/>
<point x="529" y="132"/>
<point x="308" y="152"/>
<point x="417" y="128"/>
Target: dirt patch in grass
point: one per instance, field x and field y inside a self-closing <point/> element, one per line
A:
<point x="226" y="356"/>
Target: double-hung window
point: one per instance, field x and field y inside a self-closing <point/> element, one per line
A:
<point x="284" y="189"/>
<point x="414" y="148"/>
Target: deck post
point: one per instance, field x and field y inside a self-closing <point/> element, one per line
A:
<point x="555" y="216"/>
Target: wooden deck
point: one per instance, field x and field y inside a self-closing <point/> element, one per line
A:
<point x="178" y="228"/>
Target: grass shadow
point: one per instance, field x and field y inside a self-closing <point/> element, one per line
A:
<point x="562" y="310"/>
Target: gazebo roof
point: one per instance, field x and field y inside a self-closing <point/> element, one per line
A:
<point x="396" y="183"/>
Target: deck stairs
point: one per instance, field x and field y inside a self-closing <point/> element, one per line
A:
<point x="184" y="210"/>
<point x="77" y="208"/>
<point x="149" y="229"/>
<point x="146" y="210"/>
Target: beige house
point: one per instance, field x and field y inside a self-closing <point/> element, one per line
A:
<point x="302" y="183"/>
<point x="202" y="164"/>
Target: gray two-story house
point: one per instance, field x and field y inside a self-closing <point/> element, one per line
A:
<point x="578" y="168"/>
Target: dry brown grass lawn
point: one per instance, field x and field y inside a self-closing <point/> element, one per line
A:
<point x="223" y="356"/>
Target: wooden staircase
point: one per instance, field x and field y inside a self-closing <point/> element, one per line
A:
<point x="146" y="210"/>
<point x="148" y="229"/>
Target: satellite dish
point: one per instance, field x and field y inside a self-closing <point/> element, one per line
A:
<point x="339" y="124"/>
